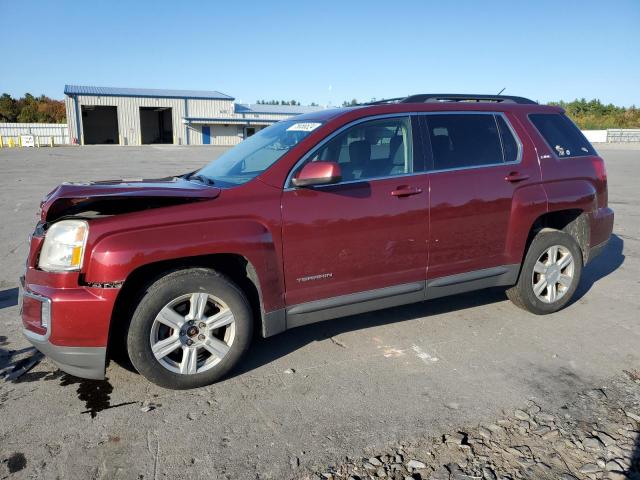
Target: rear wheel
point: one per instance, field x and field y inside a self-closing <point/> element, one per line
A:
<point x="550" y="273"/>
<point x="189" y="329"/>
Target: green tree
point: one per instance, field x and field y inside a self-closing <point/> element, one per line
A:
<point x="352" y="103"/>
<point x="8" y="108"/>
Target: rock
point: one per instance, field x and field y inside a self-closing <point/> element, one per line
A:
<point x="541" y="430"/>
<point x="375" y="462"/>
<point x="614" y="465"/>
<point x="294" y="462"/>
<point x="381" y="472"/>
<point x="520" y="415"/>
<point x="551" y="435"/>
<point x="596" y="394"/>
<point x="290" y="371"/>
<point x="415" y="464"/>
<point x="632" y="416"/>
<point x="456" y="438"/>
<point x="146" y="408"/>
<point x="606" y="438"/>
<point x="589" y="468"/>
<point x="191" y="416"/>
<point x="496" y="430"/>
<point x="398" y="458"/>
<point x="368" y="466"/>
<point x="488" y="474"/>
<point x="440" y="474"/>
<point x="545" y="418"/>
<point x="533" y="409"/>
<point x="568" y="476"/>
<point x="616" y="476"/>
<point x="592" y="443"/>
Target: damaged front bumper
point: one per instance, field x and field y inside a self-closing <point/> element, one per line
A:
<point x="66" y="322"/>
<point x="83" y="362"/>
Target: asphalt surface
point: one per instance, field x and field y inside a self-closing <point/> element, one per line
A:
<point x="316" y="393"/>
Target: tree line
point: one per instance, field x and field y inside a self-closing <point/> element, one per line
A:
<point x="595" y="115"/>
<point x="587" y="114"/>
<point x="30" y="109"/>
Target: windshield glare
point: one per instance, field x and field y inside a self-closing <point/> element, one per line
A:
<point x="254" y="155"/>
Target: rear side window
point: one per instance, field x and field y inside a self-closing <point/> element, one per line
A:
<point x="470" y="140"/>
<point x="509" y="144"/>
<point x="561" y="134"/>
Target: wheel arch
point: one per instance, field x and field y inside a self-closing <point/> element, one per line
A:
<point x="573" y="221"/>
<point x="236" y="267"/>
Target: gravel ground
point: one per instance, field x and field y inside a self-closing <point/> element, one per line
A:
<point x="596" y="436"/>
<point x="363" y="387"/>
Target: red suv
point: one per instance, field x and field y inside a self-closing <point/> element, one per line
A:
<point x="333" y="213"/>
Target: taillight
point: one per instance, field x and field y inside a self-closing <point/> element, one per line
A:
<point x="601" y="175"/>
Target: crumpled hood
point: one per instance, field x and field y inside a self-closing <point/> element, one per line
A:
<point x="122" y="196"/>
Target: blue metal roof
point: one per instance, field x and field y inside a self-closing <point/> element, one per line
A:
<point x="144" y="92"/>
<point x="274" y="109"/>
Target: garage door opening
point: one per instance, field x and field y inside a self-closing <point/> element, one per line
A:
<point x="156" y="125"/>
<point x="100" y="125"/>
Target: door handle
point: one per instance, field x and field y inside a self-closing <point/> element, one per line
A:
<point x="405" y="191"/>
<point x="516" y="177"/>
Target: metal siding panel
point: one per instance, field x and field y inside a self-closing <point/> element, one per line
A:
<point x="129" y="113"/>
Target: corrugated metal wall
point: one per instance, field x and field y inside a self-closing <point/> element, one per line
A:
<point x="42" y="131"/>
<point x="129" y="115"/>
<point x="128" y="109"/>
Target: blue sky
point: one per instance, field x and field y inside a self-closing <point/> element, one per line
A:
<point x="326" y="51"/>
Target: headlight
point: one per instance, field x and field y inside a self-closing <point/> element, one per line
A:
<point x="63" y="247"/>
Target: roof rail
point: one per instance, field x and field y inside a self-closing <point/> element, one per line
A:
<point x="453" y="97"/>
<point x="465" y="97"/>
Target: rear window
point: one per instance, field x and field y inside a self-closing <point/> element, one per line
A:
<point x="562" y="135"/>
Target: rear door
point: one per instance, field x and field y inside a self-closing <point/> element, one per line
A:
<point x="370" y="230"/>
<point x="476" y="167"/>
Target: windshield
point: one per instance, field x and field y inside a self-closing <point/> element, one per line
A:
<point x="254" y="155"/>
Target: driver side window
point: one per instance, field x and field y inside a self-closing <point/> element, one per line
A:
<point x="369" y="150"/>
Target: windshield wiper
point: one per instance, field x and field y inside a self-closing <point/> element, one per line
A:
<point x="202" y="179"/>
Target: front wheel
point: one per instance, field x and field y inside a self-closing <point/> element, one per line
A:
<point x="189" y="329"/>
<point x="550" y="273"/>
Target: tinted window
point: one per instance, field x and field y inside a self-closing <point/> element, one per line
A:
<point x="464" y="140"/>
<point x="379" y="148"/>
<point x="509" y="144"/>
<point x="562" y="135"/>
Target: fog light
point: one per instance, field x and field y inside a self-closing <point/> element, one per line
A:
<point x="45" y="314"/>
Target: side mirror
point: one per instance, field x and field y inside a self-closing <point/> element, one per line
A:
<point x="318" y="173"/>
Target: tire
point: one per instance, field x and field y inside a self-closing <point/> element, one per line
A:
<point x="530" y="293"/>
<point x="199" y="323"/>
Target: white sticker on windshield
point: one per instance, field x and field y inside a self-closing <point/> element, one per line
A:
<point x="303" y="127"/>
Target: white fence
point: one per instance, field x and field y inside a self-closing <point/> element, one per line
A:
<point x="620" y="135"/>
<point x="613" y="135"/>
<point x="42" y="133"/>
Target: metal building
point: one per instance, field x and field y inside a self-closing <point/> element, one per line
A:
<point x="140" y="116"/>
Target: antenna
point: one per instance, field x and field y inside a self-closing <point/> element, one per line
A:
<point x="502" y="90"/>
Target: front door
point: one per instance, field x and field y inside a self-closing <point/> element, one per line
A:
<point x="476" y="169"/>
<point x="206" y="135"/>
<point x="369" y="231"/>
